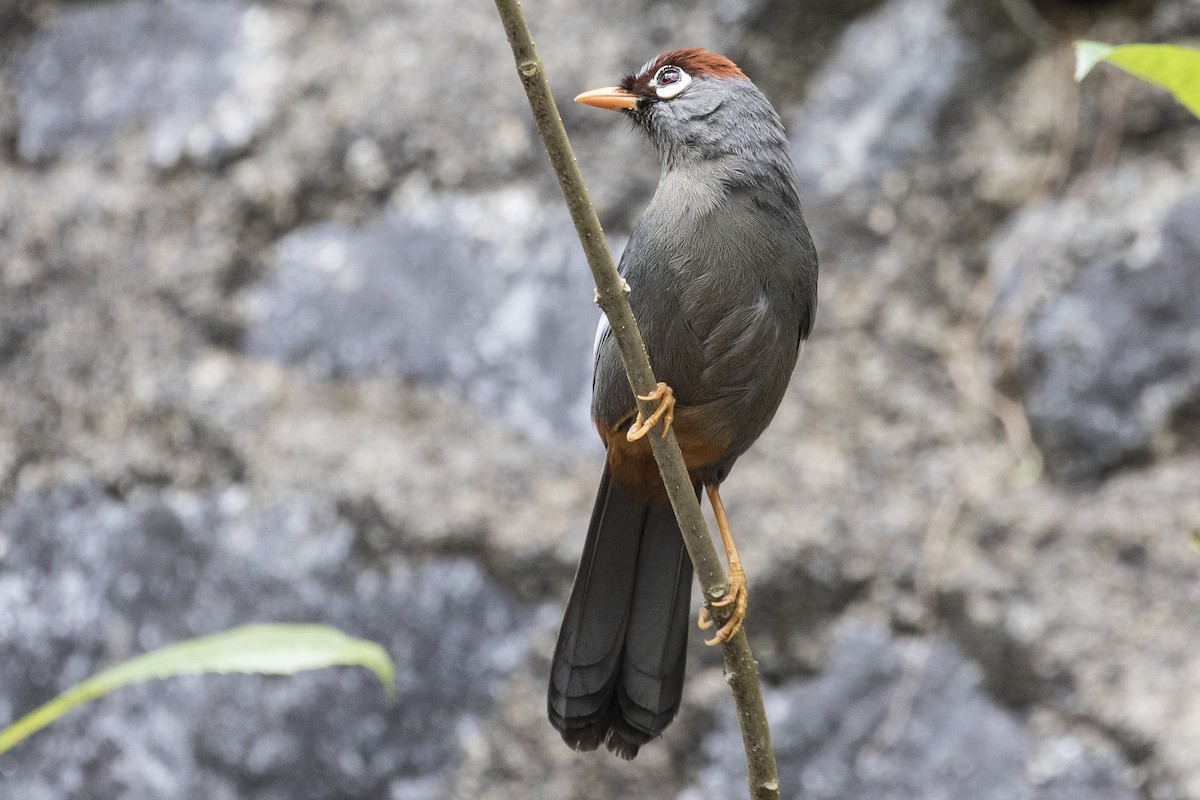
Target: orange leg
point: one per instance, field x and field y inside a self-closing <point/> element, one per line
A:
<point x="664" y="394"/>
<point x="737" y="594"/>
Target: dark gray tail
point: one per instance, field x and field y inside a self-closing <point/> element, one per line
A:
<point x="617" y="674"/>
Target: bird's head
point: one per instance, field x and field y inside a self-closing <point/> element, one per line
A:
<point x="693" y="104"/>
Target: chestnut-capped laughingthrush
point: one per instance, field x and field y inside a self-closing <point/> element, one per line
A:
<point x="723" y="279"/>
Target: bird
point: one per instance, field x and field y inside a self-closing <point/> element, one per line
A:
<point x="723" y="285"/>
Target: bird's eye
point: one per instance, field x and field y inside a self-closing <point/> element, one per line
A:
<point x="670" y="81"/>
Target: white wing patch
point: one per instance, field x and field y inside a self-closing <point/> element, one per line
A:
<point x="601" y="330"/>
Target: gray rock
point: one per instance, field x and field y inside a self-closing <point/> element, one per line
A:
<point x="200" y="76"/>
<point x="773" y="28"/>
<point x="124" y="292"/>
<point x="1112" y="364"/>
<point x="875" y="103"/>
<point x="488" y="294"/>
<point x="851" y="734"/>
<point x="87" y="580"/>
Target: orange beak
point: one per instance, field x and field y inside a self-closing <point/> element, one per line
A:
<point x="614" y="98"/>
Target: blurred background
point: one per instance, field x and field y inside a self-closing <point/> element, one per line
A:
<point x="294" y="327"/>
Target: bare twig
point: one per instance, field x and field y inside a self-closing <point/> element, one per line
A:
<point x="929" y="567"/>
<point x="1029" y="22"/>
<point x="965" y="372"/>
<point x="740" y="666"/>
<point x="1066" y="126"/>
<point x="1112" y="110"/>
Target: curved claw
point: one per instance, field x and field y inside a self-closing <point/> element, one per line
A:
<point x="736" y="595"/>
<point x="641" y="427"/>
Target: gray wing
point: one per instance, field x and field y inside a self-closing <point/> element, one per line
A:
<point x="676" y="351"/>
<point x="723" y="306"/>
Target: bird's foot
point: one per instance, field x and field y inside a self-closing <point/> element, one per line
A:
<point x="666" y="407"/>
<point x="739" y="598"/>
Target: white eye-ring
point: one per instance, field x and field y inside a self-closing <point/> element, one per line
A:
<point x="670" y="81"/>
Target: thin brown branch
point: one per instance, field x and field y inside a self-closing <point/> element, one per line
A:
<point x="740" y="666"/>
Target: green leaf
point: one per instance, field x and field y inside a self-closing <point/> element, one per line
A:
<point x="265" y="649"/>
<point x="1176" y="69"/>
<point x="1088" y="55"/>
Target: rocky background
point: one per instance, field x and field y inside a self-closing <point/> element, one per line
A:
<point x="293" y="327"/>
